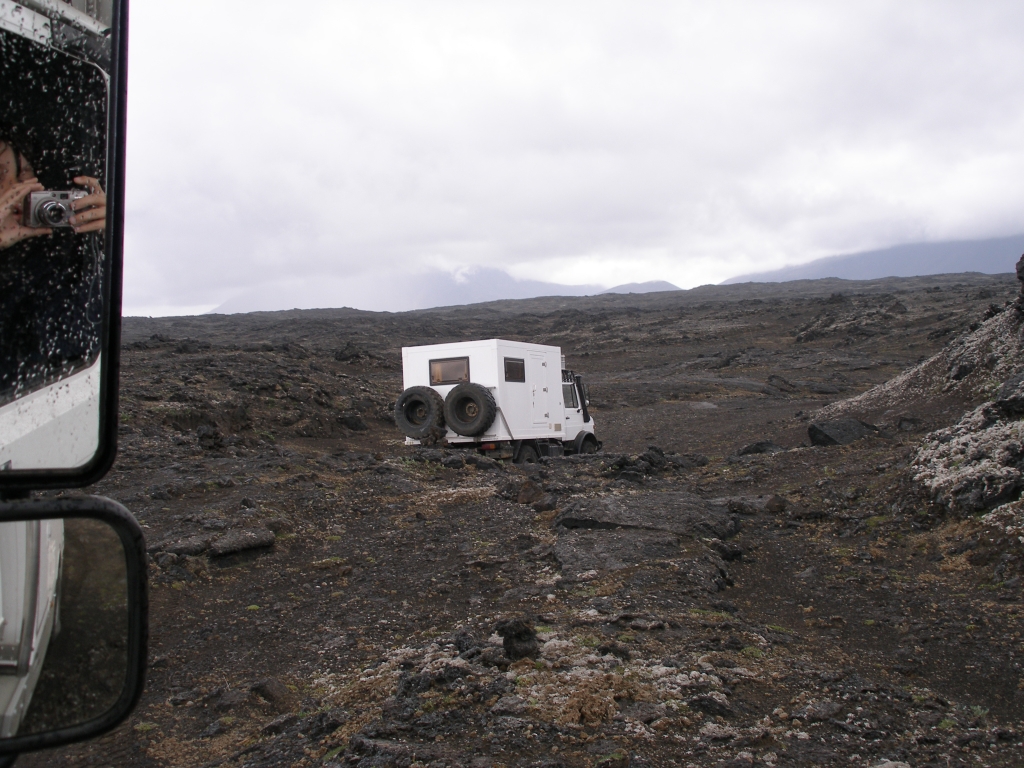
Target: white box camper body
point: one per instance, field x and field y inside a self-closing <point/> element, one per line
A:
<point x="532" y="408"/>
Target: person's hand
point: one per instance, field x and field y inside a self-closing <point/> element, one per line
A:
<point x="90" y="211"/>
<point x="11" y="229"/>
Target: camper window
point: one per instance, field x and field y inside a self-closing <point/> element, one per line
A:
<point x="454" y="370"/>
<point x="515" y="370"/>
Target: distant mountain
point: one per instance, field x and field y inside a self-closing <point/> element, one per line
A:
<point x="651" y="286"/>
<point x="992" y="257"/>
<point x="392" y="292"/>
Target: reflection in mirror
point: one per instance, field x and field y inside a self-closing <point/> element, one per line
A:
<point x="54" y="87"/>
<point x="63" y="623"/>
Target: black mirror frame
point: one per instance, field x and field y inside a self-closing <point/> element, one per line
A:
<point x="17" y="483"/>
<point x="130" y="533"/>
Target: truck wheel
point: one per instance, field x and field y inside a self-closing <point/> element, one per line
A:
<point x="469" y="409"/>
<point x="419" y="412"/>
<point x="585" y="443"/>
<point x="527" y="455"/>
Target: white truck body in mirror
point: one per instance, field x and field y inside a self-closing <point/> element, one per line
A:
<point x="30" y="565"/>
<point x="55" y="426"/>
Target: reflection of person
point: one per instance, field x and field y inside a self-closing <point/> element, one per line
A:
<point x="51" y="288"/>
<point x="91" y="211"/>
<point x="17" y="179"/>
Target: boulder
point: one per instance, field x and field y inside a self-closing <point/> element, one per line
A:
<point x="840" y="431"/>
<point x="241" y="540"/>
<point x="274" y="692"/>
<point x="519" y="638"/>
<point x="676" y="512"/>
<point x="761" y="446"/>
<point x="529" y="492"/>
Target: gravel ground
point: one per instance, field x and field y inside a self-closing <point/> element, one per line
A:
<point x="711" y="589"/>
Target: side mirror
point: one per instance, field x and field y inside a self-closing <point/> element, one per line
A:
<point x="62" y="117"/>
<point x="73" y="613"/>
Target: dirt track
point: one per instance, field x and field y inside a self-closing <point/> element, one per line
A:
<point x="809" y="609"/>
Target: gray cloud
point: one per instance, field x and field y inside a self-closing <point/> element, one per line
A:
<point x="371" y="148"/>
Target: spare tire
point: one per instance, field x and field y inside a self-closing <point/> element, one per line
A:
<point x="469" y="409"/>
<point x="419" y="413"/>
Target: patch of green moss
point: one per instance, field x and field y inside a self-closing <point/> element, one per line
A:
<point x="873" y="522"/>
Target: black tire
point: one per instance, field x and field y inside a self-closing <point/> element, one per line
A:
<point x="469" y="409"/>
<point x="527" y="454"/>
<point x="585" y="442"/>
<point x="419" y="413"/>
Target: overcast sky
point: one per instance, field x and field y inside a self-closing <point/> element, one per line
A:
<point x="337" y="150"/>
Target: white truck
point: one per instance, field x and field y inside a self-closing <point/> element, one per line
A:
<point x="505" y="399"/>
<point x="31" y="554"/>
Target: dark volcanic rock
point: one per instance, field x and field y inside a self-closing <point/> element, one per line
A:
<point x="677" y="512"/>
<point x="644" y="711"/>
<point x="752" y="505"/>
<point x="225" y="699"/>
<point x="840" y="431"/>
<point x="613" y="533"/>
<point x="353" y="421"/>
<point x="579" y="551"/>
<point x="762" y="446"/>
<point x="241" y="540"/>
<point x="519" y="638"/>
<point x="714" y="703"/>
<point x="529" y="492"/>
<point x="699" y="567"/>
<point x="509" y="705"/>
<point x="274" y="692"/>
<point x="615" y="649"/>
<point x="279" y="724"/>
<point x="278" y="524"/>
<point x="190" y="545"/>
<point x="1010" y="398"/>
<point x="545" y="503"/>
<point x="818" y="712"/>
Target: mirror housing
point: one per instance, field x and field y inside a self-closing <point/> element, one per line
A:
<point x="127" y="530"/>
<point x="73" y="133"/>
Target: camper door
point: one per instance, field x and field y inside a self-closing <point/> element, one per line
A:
<point x="536" y="375"/>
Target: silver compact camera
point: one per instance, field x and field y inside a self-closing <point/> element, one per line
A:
<point x="50" y="209"/>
